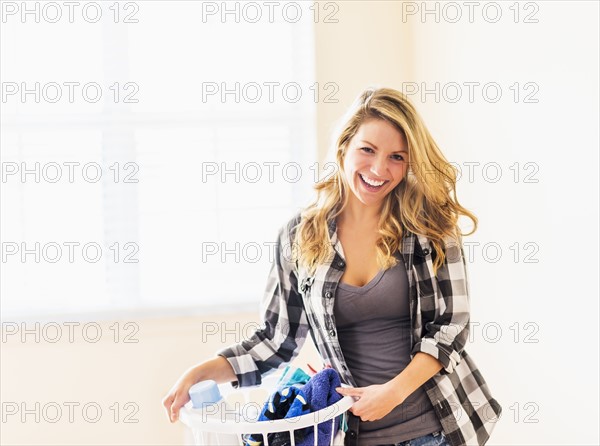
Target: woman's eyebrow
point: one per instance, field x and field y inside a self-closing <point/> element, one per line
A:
<point x="396" y="151"/>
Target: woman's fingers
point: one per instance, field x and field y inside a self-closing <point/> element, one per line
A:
<point x="180" y="399"/>
<point x="178" y="396"/>
<point x="174" y="411"/>
<point x="349" y="391"/>
<point x="167" y="403"/>
<point x="173" y="402"/>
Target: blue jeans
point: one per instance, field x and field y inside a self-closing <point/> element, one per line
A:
<point x="433" y="439"/>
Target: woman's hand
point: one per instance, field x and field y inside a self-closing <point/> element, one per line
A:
<point x="179" y="394"/>
<point x="374" y="402"/>
<point x="217" y="369"/>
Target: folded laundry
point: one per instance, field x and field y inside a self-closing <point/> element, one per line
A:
<point x="318" y="393"/>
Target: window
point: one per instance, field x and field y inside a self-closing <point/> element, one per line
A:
<point x="136" y="198"/>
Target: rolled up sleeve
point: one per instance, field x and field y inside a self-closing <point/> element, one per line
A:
<point x="445" y="336"/>
<point x="284" y="324"/>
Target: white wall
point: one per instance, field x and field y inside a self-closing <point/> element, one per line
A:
<point x="544" y="386"/>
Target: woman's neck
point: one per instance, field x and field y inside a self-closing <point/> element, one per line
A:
<point x="358" y="221"/>
<point x="359" y="215"/>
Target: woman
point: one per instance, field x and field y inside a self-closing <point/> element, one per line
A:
<point x="380" y="283"/>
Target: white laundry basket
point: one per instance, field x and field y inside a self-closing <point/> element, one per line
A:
<point x="246" y="404"/>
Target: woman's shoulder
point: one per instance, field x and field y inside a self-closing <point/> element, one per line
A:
<point x="293" y="220"/>
<point x="449" y="242"/>
<point x="288" y="227"/>
<point x="453" y="238"/>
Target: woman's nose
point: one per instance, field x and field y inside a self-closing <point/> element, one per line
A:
<point x="378" y="167"/>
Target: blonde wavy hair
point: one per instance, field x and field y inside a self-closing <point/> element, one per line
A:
<point x="424" y="205"/>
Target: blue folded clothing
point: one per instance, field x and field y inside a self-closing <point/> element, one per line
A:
<point x="320" y="393"/>
<point x="288" y="402"/>
<point x="292" y="376"/>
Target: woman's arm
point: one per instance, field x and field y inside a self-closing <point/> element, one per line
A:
<point x="445" y="314"/>
<point x="284" y="322"/>
<point x="417" y="372"/>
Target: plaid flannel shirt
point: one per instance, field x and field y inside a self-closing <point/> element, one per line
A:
<point x="296" y="303"/>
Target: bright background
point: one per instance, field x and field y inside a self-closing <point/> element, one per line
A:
<point x="156" y="208"/>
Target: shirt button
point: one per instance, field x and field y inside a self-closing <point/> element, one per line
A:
<point x="341" y="264"/>
<point x="352" y="434"/>
<point x="332" y="333"/>
<point x="328" y="294"/>
<point x="425" y="251"/>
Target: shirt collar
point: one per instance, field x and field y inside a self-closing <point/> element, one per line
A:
<point x="332" y="225"/>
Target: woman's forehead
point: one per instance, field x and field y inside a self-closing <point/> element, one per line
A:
<point x="380" y="132"/>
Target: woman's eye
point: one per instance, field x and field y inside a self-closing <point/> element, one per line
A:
<point x="399" y="157"/>
<point x="366" y="149"/>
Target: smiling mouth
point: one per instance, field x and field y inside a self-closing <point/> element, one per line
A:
<point x="372" y="185"/>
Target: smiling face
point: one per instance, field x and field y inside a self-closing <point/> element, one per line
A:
<point x="375" y="162"/>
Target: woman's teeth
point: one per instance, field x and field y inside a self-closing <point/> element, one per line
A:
<point x="371" y="183"/>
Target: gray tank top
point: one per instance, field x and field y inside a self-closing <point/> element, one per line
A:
<point x="373" y="326"/>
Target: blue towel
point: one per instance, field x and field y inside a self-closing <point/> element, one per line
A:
<point x="318" y="393"/>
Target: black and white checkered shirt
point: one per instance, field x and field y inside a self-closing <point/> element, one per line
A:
<point x="296" y="304"/>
